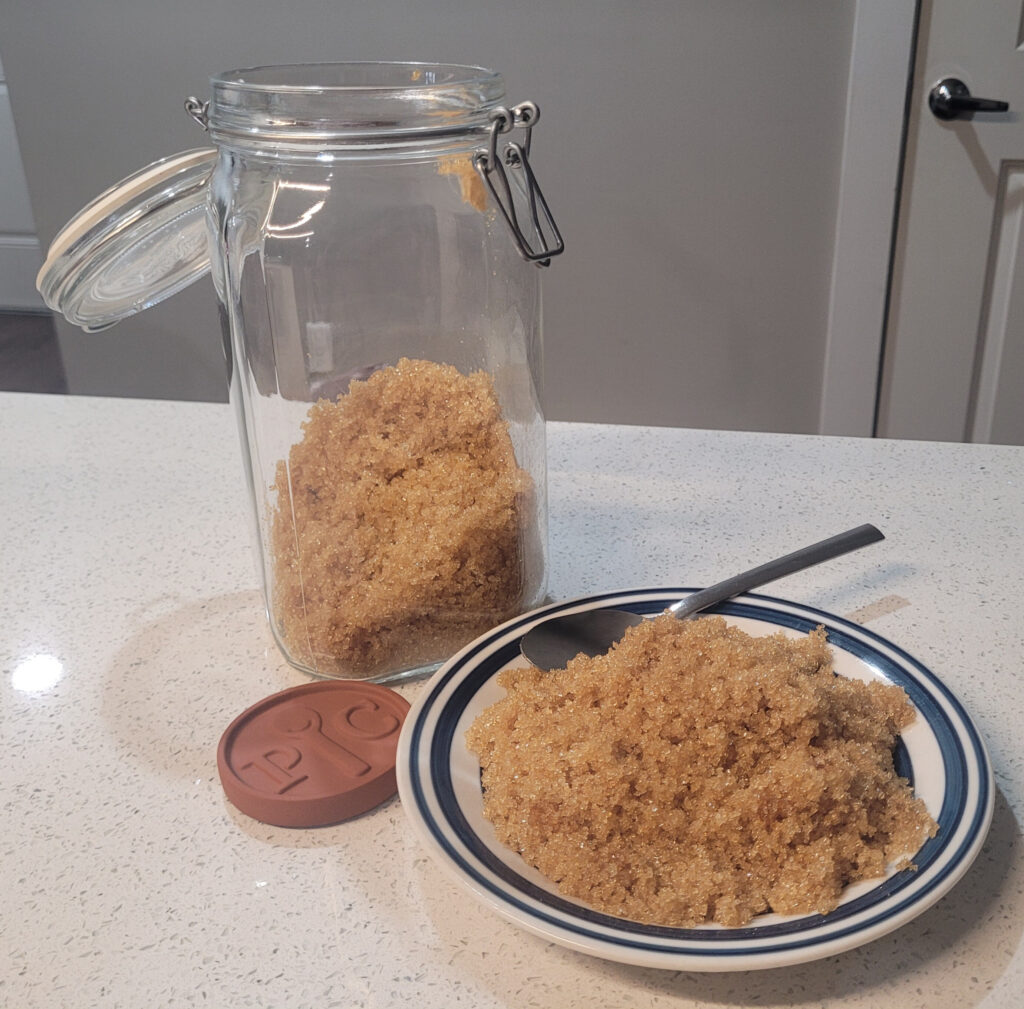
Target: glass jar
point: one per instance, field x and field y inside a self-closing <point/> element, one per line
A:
<point x="374" y="237"/>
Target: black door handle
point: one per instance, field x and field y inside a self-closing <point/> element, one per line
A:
<point x="951" y="98"/>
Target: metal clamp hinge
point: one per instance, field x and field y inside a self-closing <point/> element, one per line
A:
<point x="545" y="241"/>
<point x="199" y="111"/>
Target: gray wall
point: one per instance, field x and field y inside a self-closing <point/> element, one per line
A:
<point x="689" y="149"/>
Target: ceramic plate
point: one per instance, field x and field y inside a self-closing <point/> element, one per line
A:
<point x="941" y="753"/>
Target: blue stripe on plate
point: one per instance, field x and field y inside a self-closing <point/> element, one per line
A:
<point x="920" y="684"/>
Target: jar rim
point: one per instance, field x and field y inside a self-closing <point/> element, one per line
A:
<point x="351" y="103"/>
<point x="356" y="75"/>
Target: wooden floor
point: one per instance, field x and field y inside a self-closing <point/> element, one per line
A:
<point x="30" y="358"/>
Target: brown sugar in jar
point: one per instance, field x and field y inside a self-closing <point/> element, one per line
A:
<point x="403" y="525"/>
<point x="698" y="774"/>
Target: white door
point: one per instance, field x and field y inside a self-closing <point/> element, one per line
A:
<point x="954" y="349"/>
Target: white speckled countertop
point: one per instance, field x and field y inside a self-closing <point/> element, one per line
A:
<point x="131" y="633"/>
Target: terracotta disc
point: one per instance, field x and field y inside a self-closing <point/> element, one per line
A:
<point x="313" y="755"/>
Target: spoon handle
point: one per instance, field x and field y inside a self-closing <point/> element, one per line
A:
<point x="806" y="557"/>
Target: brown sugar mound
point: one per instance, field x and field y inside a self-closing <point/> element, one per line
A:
<point x="399" y="531"/>
<point x="697" y="774"/>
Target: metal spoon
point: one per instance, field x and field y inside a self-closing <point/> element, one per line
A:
<point x="551" y="644"/>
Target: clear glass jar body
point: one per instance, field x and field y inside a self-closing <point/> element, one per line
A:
<point x="385" y="352"/>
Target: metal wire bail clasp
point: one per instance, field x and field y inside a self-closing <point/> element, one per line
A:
<point x="199" y="111"/>
<point x="516" y="157"/>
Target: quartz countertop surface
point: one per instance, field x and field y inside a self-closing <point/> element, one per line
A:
<point x="132" y="632"/>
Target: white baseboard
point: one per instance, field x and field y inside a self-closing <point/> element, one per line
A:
<point x="20" y="259"/>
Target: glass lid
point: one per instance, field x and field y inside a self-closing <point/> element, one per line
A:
<point x="138" y="243"/>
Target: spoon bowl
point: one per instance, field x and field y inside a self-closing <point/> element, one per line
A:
<point x="553" y="643"/>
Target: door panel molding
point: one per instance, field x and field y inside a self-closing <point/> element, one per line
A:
<point x="1002" y="299"/>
